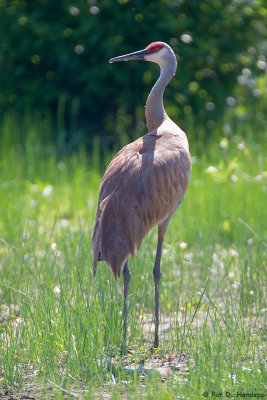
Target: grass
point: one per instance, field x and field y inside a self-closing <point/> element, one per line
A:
<point x="61" y="330"/>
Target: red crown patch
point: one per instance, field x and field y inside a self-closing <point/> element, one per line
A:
<point x="154" y="47"/>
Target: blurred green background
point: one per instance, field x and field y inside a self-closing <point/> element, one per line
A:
<point x="54" y="63"/>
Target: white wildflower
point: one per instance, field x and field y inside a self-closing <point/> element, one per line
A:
<point x="79" y="49"/>
<point x="94" y="10"/>
<point x="74" y="11"/>
<point x="211" y="169"/>
<point x="234" y="178"/>
<point x="186" y="38"/>
<point x="241" y="146"/>
<point x="64" y="223"/>
<point x="261" y="64"/>
<point x="233" y="253"/>
<point x="246" y="369"/>
<point x="235" y="285"/>
<point x="215" y="257"/>
<point x="224" y="144"/>
<point x="233" y="377"/>
<point x="188" y="257"/>
<point x="57" y="290"/>
<point x="48" y="191"/>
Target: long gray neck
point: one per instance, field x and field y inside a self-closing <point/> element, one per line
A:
<point x="155" y="112"/>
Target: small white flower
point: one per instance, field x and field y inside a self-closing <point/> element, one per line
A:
<point x="246" y="369"/>
<point x="211" y="169"/>
<point x="183" y="245"/>
<point x="258" y="178"/>
<point x="209" y="106"/>
<point x="221" y="265"/>
<point x="213" y="271"/>
<point x="235" y="285"/>
<point x="246" y="72"/>
<point x="57" y="290"/>
<point x="261" y="64"/>
<point x="215" y="257"/>
<point x="233" y="253"/>
<point x="64" y="223"/>
<point x="241" y="146"/>
<point x="74" y="11"/>
<point x="79" y="49"/>
<point x="251" y="292"/>
<point x="48" y="191"/>
<point x="94" y="10"/>
<point x="250" y="242"/>
<point x="230" y="101"/>
<point x="231" y="274"/>
<point x="224" y="144"/>
<point x="186" y="38"/>
<point x="234" y="178"/>
<point x="53" y="246"/>
<point x="241" y="79"/>
<point x="165" y="251"/>
<point x="233" y="377"/>
<point x="188" y="257"/>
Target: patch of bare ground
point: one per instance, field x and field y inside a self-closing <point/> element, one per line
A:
<point x="164" y="365"/>
<point x="119" y="370"/>
<point x="30" y="391"/>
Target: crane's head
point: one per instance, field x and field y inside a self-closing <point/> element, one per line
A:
<point x="158" y="52"/>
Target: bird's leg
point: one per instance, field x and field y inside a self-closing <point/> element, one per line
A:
<point x="126" y="280"/>
<point x="157" y="276"/>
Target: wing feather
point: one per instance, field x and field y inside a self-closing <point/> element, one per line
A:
<point x="142" y="187"/>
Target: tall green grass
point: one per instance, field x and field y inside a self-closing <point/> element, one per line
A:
<point x="61" y="330"/>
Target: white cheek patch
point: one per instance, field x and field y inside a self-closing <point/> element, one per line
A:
<point x="156" y="57"/>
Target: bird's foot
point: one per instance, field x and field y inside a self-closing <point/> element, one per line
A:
<point x="125" y="351"/>
<point x="155" y="348"/>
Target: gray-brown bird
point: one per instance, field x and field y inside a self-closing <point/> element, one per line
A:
<point x="144" y="184"/>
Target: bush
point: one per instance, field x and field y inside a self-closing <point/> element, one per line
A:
<point x="57" y="52"/>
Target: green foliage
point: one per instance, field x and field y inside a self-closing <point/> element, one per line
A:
<point x="53" y="52"/>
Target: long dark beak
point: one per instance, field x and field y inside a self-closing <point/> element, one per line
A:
<point x="137" y="55"/>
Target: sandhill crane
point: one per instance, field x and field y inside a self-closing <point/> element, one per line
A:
<point x="144" y="184"/>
